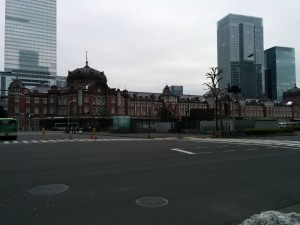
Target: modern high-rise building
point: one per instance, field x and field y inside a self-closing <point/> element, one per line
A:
<point x="176" y="89"/>
<point x="241" y="53"/>
<point x="30" y="42"/>
<point x="280" y="71"/>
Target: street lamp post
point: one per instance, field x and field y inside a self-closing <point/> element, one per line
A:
<point x="148" y="114"/>
<point x="69" y="113"/>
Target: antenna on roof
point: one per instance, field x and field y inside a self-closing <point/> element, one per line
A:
<point x="86" y="58"/>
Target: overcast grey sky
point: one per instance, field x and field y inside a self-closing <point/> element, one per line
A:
<point x="146" y="44"/>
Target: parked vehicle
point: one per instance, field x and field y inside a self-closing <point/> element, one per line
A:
<point x="8" y="128"/>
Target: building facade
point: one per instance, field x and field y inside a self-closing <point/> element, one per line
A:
<point x="292" y="95"/>
<point x="30" y="42"/>
<point x="176" y="89"/>
<point x="89" y="101"/>
<point x="280" y="71"/>
<point x="60" y="81"/>
<point x="241" y="53"/>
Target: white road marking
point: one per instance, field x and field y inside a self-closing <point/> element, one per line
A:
<point x="251" y="149"/>
<point x="183" y="151"/>
<point x="229" y="151"/>
<point x="75" y="140"/>
<point x="252" y="142"/>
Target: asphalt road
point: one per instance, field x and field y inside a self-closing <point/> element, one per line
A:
<point x="199" y="181"/>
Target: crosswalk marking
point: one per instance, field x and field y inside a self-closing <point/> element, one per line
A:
<point x="78" y="140"/>
<point x="39" y="132"/>
<point x="256" y="142"/>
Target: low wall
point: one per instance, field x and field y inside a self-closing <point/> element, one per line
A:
<point x="164" y="127"/>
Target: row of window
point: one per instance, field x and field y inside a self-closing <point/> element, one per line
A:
<point x="28" y="100"/>
<point x="182" y="105"/>
<point x="99" y="111"/>
<point x="40" y="13"/>
<point x="36" y="110"/>
<point x="42" y="49"/>
<point x="25" y="39"/>
<point x="20" y="31"/>
<point x="32" y="21"/>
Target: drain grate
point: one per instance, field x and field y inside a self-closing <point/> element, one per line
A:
<point x="49" y="189"/>
<point x="152" y="201"/>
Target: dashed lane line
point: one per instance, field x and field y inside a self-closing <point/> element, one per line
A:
<point x="251" y="149"/>
<point x="183" y="151"/>
<point x="229" y="151"/>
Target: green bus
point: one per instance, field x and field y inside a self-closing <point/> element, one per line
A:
<point x="8" y="128"/>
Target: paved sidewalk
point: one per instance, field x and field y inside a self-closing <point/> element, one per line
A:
<point x="150" y="135"/>
<point x="295" y="136"/>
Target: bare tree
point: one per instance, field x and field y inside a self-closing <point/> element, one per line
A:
<point x="214" y="77"/>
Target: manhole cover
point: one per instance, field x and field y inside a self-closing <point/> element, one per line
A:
<point x="152" y="201"/>
<point x="49" y="189"/>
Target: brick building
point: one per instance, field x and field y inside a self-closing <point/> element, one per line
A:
<point x="88" y="101"/>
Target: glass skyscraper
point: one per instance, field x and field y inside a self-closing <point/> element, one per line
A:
<point x="30" y="42"/>
<point x="241" y="53"/>
<point x="280" y="71"/>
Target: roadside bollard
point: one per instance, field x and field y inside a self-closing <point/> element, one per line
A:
<point x="70" y="135"/>
<point x="93" y="135"/>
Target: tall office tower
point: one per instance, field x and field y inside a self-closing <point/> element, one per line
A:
<point x="30" y="42"/>
<point x="176" y="89"/>
<point x="280" y="71"/>
<point x="241" y="53"/>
